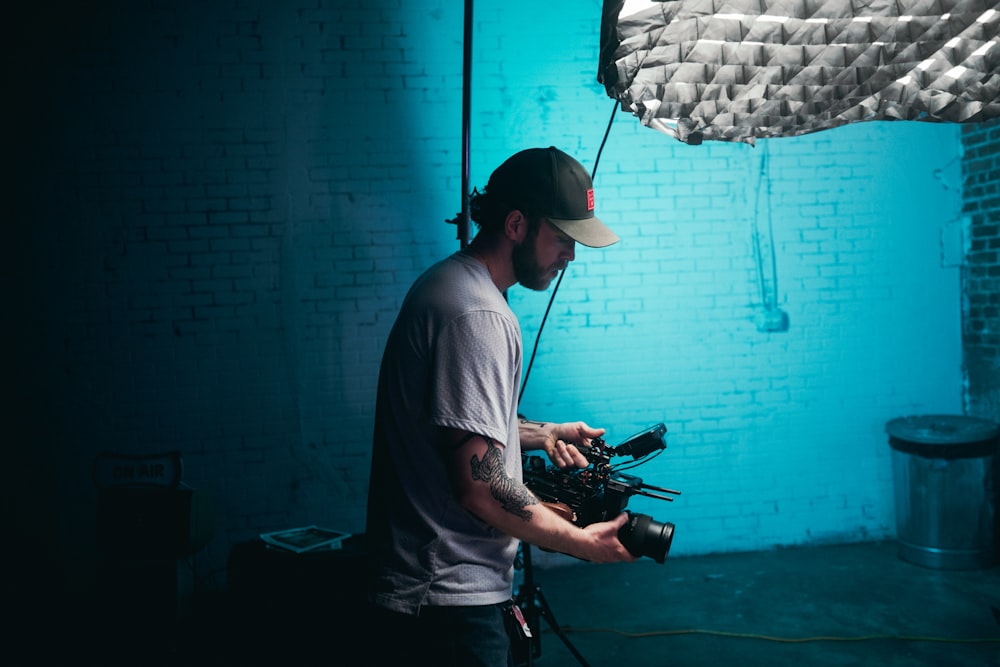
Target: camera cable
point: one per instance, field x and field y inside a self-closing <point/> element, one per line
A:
<point x="784" y="640"/>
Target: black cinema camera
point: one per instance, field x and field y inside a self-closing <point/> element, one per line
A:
<point x="600" y="493"/>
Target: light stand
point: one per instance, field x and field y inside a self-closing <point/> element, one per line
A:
<point x="533" y="605"/>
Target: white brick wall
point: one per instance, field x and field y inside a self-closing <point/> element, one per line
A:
<point x="775" y="438"/>
<point x="229" y="204"/>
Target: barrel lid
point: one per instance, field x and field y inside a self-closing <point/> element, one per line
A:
<point x="937" y="435"/>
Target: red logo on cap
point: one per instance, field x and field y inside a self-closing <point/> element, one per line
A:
<point x="590" y="199"/>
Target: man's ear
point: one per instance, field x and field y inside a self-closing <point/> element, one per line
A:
<point x="515" y="226"/>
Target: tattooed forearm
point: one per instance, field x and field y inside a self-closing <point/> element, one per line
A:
<point x="525" y="420"/>
<point x="513" y="497"/>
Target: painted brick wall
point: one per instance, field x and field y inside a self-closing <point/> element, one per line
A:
<point x="776" y="438"/>
<point x="222" y="206"/>
<point x="981" y="280"/>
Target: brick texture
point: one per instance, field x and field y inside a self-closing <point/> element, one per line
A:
<point x="219" y="207"/>
<point x="981" y="279"/>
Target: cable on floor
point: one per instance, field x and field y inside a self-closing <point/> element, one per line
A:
<point x="784" y="640"/>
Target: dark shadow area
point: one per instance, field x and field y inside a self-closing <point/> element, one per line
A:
<point x="279" y="608"/>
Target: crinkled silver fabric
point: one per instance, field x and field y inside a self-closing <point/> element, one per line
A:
<point x="741" y="70"/>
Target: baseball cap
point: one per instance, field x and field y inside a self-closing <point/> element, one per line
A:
<point x="548" y="182"/>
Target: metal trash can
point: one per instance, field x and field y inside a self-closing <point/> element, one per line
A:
<point x="942" y="468"/>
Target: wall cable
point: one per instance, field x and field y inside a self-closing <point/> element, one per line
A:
<point x="769" y="302"/>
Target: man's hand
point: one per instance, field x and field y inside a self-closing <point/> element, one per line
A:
<point x="561" y="441"/>
<point x="607" y="547"/>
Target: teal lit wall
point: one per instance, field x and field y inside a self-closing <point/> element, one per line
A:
<point x="774" y="437"/>
<point x="219" y="207"/>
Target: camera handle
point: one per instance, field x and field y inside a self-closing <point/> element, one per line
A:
<point x="533" y="604"/>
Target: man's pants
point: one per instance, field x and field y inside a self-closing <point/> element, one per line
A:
<point x="441" y="636"/>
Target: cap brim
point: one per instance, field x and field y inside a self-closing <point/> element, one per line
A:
<point x="590" y="232"/>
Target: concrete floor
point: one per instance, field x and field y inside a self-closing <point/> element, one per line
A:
<point x="820" y="606"/>
<point x="842" y="606"/>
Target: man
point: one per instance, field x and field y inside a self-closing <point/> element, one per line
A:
<point x="446" y="504"/>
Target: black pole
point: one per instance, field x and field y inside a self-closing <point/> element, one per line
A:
<point x="463" y="219"/>
<point x="535" y="607"/>
<point x="530" y="606"/>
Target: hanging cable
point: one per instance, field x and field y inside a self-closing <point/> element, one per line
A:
<point x="562" y="273"/>
<point x="755" y="231"/>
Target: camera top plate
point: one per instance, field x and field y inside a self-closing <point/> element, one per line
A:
<point x="643" y="443"/>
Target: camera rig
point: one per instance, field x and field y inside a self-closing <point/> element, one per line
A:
<point x="599" y="492"/>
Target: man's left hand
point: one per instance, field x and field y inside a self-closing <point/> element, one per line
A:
<point x="561" y="443"/>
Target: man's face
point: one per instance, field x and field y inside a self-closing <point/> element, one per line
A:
<point x="544" y="252"/>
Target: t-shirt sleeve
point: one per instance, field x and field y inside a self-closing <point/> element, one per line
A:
<point x="476" y="375"/>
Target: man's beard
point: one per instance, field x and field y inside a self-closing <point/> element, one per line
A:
<point x="527" y="271"/>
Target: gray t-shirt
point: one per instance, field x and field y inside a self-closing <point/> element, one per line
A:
<point x="453" y="359"/>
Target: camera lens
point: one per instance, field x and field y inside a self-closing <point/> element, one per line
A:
<point x="645" y="536"/>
